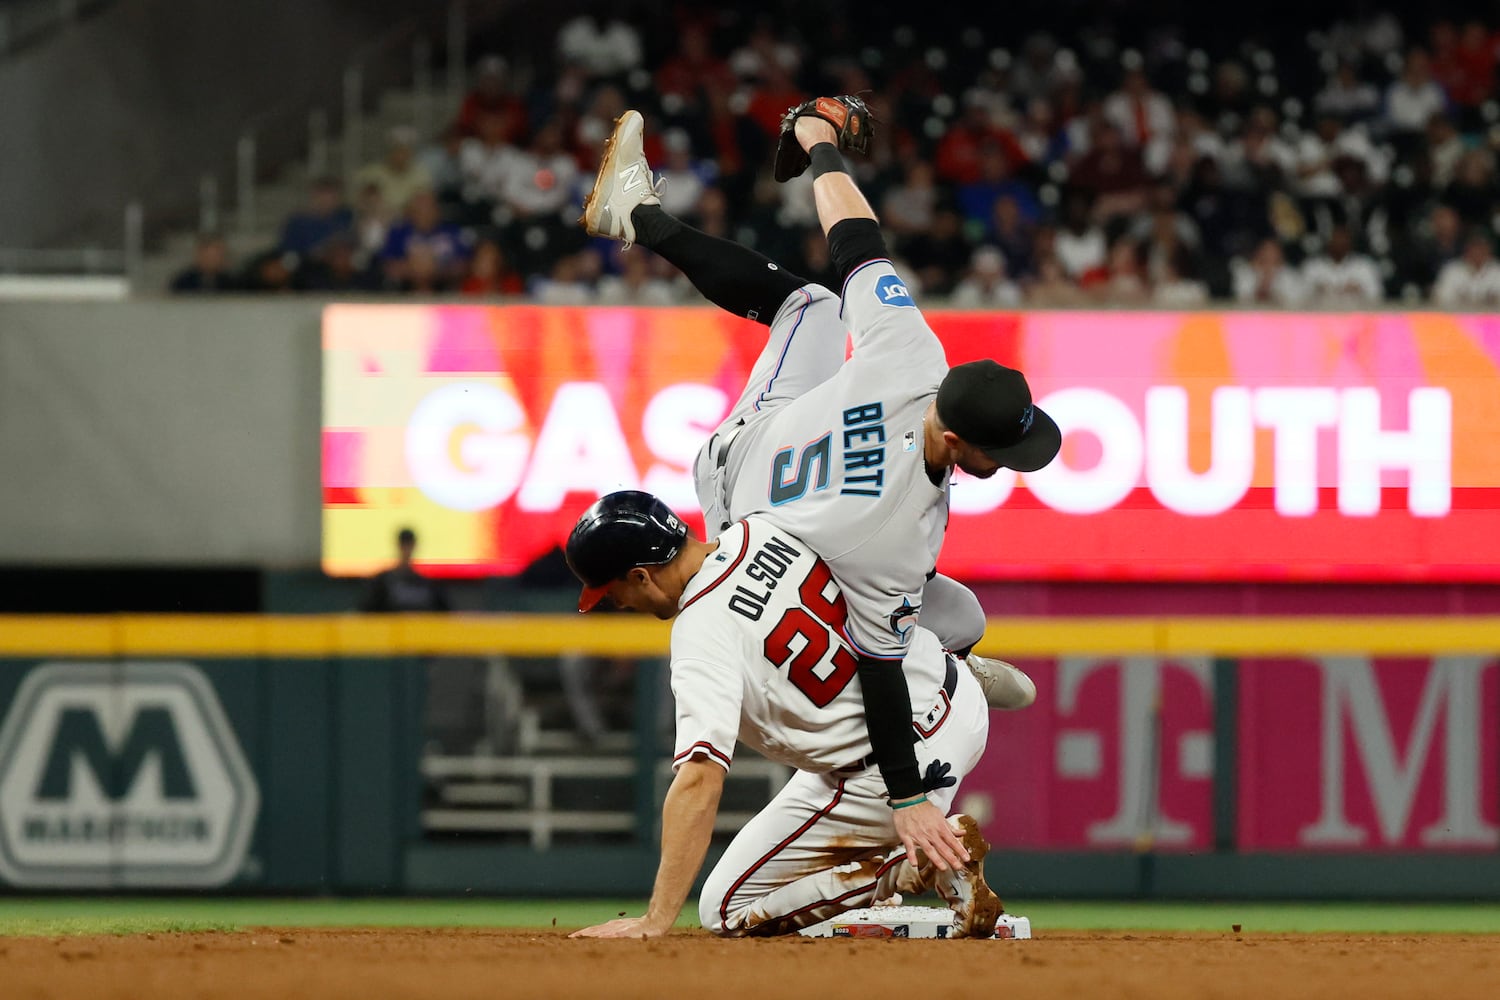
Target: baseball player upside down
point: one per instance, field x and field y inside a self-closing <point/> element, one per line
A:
<point x="853" y="457"/>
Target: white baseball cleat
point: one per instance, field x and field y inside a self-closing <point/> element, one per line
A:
<point x="624" y="182"/>
<point x="975" y="906"/>
<point x="1005" y="686"/>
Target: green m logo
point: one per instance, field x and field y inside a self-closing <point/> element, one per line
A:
<point x="122" y="775"/>
<point x="79" y="733"/>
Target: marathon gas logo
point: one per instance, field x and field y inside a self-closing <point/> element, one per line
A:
<point x="1318" y="456"/>
<point x="121" y="775"/>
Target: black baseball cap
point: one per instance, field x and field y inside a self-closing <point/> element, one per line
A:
<point x="618" y="533"/>
<point x="989" y="406"/>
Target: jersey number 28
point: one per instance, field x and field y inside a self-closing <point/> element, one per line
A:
<point x="815" y="621"/>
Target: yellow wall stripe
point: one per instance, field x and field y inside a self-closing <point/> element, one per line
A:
<point x="94" y="635"/>
<point x="294" y="636"/>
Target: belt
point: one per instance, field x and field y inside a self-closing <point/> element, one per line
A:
<point x="950" y="685"/>
<point x="720" y="460"/>
<point x="725" y="440"/>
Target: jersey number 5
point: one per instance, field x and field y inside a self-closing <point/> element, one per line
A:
<point x="814" y="621"/>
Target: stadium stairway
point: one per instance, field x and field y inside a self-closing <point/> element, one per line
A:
<point x="287" y="189"/>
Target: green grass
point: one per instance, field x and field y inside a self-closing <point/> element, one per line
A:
<point x="102" y="915"/>
<point x="50" y="915"/>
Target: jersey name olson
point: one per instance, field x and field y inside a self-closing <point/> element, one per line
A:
<point x="767" y="566"/>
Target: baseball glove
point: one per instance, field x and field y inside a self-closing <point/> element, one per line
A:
<point x="848" y="115"/>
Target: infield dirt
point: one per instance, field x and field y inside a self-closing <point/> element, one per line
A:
<point x="535" y="965"/>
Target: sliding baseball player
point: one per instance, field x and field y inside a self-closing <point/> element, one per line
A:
<point x="758" y="656"/>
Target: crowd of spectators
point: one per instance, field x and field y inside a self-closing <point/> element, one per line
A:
<point x="1338" y="167"/>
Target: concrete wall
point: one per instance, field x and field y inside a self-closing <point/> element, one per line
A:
<point x="141" y="100"/>
<point x="167" y="433"/>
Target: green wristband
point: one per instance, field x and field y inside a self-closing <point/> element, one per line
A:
<point x="908" y="804"/>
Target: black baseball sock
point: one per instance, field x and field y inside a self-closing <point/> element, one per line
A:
<point x="732" y="277"/>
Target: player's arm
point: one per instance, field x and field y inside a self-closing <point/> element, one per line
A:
<point x="855" y="240"/>
<point x="687" y="825"/>
<point x="920" y="824"/>
<point x="708" y="693"/>
<point x="876" y="628"/>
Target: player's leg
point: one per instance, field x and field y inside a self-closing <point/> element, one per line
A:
<point x="807" y="339"/>
<point x="623" y="205"/>
<point x="816" y="835"/>
<point x="778" y="898"/>
<point x="827" y="843"/>
<point x="953" y="612"/>
<point x="805" y="349"/>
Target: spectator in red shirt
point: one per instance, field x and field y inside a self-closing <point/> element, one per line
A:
<point x="491" y="273"/>
<point x="775" y="92"/>
<point x="1119" y="281"/>
<point x="491" y="96"/>
<point x="960" y="158"/>
<point x="1112" y="172"/>
<point x="695" y="66"/>
<point x="1470" y="80"/>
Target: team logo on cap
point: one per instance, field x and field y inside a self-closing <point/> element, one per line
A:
<point x="891" y="291"/>
<point x="1027" y="416"/>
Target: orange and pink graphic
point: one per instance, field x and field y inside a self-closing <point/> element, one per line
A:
<point x="1197" y="446"/>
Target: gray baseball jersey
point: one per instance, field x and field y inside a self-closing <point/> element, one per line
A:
<point x="832" y="451"/>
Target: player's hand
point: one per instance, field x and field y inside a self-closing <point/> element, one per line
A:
<point x="625" y="927"/>
<point x="811" y="130"/>
<point x="924" y="828"/>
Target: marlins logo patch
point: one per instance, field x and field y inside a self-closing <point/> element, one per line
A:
<point x="891" y="291"/>
<point x="904" y="618"/>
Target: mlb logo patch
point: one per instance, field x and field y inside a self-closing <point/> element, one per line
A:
<point x="891" y="291"/>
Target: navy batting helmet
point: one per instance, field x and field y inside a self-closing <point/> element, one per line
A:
<point x="618" y="533"/>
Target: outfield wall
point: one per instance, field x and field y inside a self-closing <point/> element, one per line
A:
<point x="1171" y="757"/>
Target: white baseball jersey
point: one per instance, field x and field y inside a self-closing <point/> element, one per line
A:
<point x="832" y="451"/>
<point x="757" y="656"/>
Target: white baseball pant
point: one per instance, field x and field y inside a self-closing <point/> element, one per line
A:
<point x="827" y="842"/>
